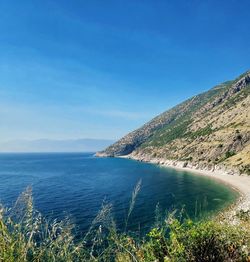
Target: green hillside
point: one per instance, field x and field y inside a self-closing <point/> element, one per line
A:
<point x="208" y="130"/>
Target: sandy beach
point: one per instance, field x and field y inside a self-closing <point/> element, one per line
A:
<point x="240" y="183"/>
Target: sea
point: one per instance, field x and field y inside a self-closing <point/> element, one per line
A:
<point x="76" y="185"/>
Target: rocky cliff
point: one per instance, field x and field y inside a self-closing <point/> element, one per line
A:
<point x="208" y="130"/>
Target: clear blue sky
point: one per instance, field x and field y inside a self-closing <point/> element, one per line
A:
<point x="86" y="68"/>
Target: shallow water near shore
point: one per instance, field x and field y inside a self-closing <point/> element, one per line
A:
<point x="76" y="184"/>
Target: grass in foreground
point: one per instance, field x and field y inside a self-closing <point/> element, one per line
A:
<point x="26" y="236"/>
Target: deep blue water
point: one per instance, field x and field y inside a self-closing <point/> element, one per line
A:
<point x="76" y="184"/>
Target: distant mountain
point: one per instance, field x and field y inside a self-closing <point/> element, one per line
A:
<point x="48" y="145"/>
<point x="206" y="131"/>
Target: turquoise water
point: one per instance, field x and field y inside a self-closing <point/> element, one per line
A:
<point x="76" y="184"/>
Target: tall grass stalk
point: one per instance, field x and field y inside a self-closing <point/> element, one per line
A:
<point x="25" y="236"/>
<point x="132" y="201"/>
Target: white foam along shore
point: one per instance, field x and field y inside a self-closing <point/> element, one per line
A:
<point x="241" y="183"/>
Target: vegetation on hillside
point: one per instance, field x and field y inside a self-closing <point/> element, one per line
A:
<point x="211" y="130"/>
<point x="27" y="236"/>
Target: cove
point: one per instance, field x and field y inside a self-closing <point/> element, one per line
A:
<point x="76" y="184"/>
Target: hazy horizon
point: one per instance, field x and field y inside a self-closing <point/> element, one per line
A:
<point x="53" y="146"/>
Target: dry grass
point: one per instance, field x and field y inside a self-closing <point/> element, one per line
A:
<point x="26" y="236"/>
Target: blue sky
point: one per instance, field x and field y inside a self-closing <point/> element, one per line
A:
<point x="99" y="69"/>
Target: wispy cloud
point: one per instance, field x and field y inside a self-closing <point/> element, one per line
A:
<point x="29" y="121"/>
<point x="128" y="115"/>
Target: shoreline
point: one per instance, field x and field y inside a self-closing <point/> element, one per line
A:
<point x="239" y="183"/>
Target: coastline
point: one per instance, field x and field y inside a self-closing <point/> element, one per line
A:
<point x="239" y="183"/>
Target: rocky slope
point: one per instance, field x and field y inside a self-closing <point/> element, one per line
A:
<point x="208" y="130"/>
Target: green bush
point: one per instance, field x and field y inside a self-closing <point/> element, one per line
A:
<point x="26" y="236"/>
<point x="201" y="132"/>
<point x="245" y="169"/>
<point x="207" y="241"/>
<point x="229" y="154"/>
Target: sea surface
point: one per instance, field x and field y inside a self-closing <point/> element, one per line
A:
<point x="76" y="184"/>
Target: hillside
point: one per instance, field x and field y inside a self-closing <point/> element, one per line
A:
<point x="209" y="130"/>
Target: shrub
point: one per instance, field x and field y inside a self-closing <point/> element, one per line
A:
<point x="239" y="137"/>
<point x="243" y="215"/>
<point x="245" y="170"/>
<point x="26" y="236"/>
<point x="207" y="241"/>
<point x="201" y="132"/>
<point x="229" y="154"/>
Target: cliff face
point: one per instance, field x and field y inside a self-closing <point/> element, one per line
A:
<point x="210" y="129"/>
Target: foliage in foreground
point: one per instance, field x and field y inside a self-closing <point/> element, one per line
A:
<point x="26" y="236"/>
